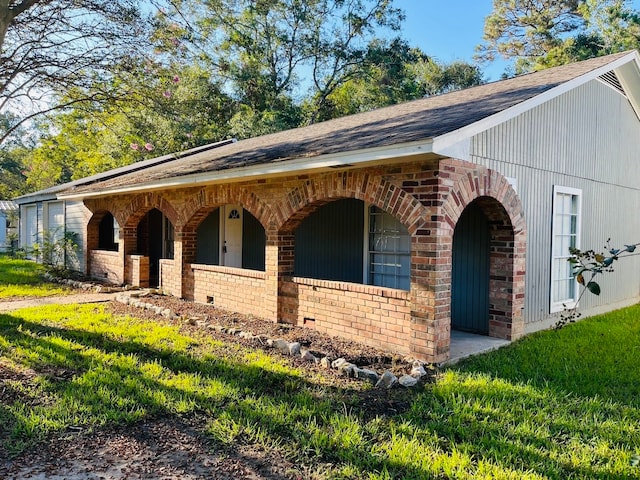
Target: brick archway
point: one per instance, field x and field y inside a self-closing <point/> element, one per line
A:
<point x="498" y="201"/>
<point x="304" y="199"/>
<point x="204" y="201"/>
<point x="140" y="205"/>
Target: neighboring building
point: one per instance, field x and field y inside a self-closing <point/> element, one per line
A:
<point x="393" y="226"/>
<point x="7" y="209"/>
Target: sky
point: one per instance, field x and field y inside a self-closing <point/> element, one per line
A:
<point x="449" y="30"/>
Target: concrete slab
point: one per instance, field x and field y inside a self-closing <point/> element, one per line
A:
<point x="465" y="344"/>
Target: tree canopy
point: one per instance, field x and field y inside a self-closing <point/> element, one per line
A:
<point x="120" y="81"/>
<point x="538" y="34"/>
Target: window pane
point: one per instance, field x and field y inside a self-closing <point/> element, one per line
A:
<point x="389" y="250"/>
<point x="565" y="235"/>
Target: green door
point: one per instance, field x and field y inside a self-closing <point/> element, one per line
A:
<point x="470" y="272"/>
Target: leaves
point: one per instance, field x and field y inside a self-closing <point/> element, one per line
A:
<point x="593" y="287"/>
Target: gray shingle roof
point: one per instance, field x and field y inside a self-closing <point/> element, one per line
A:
<point x="412" y="121"/>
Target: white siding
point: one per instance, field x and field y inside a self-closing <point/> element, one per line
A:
<point x="585" y="139"/>
<point x="77" y="217"/>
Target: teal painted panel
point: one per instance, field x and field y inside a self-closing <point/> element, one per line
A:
<point x="208" y="243"/>
<point x="254" y="242"/>
<point x="329" y="243"/>
<point x="470" y="272"/>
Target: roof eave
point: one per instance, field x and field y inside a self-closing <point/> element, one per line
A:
<point x="301" y="165"/>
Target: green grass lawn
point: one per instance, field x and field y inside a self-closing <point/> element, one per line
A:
<point x="23" y="278"/>
<point x="558" y="404"/>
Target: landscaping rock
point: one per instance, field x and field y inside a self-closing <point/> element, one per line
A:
<point x="325" y="362"/>
<point x="338" y="363"/>
<point x="387" y="380"/>
<point x="366" y="374"/>
<point x="281" y="345"/>
<point x="348" y="370"/>
<point x="294" y="348"/>
<point x="418" y="370"/>
<point x="308" y="356"/>
<point x="408" y="381"/>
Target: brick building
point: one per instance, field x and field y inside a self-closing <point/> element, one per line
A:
<point x="391" y="227"/>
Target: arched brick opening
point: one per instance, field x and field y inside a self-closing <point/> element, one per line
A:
<point x="202" y="203"/>
<point x="103" y="258"/>
<point x="140" y="269"/>
<point x="303" y="200"/>
<point x="492" y="194"/>
<point x="387" y="322"/>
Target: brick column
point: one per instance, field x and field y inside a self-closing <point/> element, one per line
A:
<point x="430" y="293"/>
<point x="281" y="248"/>
<point x="270" y="300"/>
<point x="128" y="245"/>
<point x="185" y="249"/>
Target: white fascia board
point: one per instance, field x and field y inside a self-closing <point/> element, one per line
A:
<point x="451" y="142"/>
<point x="629" y="76"/>
<point x="301" y="165"/>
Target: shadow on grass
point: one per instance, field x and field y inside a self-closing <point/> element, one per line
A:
<point x="118" y="381"/>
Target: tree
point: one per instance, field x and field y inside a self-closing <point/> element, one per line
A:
<point x="396" y="73"/>
<point x="49" y="47"/>
<point x="271" y="51"/>
<point x="168" y="110"/>
<point x="538" y="34"/>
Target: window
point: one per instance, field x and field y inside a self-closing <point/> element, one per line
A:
<point x="565" y="234"/>
<point x="108" y="233"/>
<point x="389" y="251"/>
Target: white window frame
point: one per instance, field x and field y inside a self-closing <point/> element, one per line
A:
<point x="557" y="305"/>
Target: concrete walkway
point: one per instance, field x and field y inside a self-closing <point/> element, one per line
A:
<point x="464" y="345"/>
<point x="59" y="300"/>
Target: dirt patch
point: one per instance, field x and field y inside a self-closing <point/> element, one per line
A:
<point x="157" y="448"/>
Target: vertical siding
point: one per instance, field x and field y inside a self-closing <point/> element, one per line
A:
<point x="328" y="243"/>
<point x="254" y="242"/>
<point x="585" y="139"/>
<point x="208" y="246"/>
<point x="76" y="217"/>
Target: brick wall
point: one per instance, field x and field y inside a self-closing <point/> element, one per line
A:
<point x="170" y="278"/>
<point x="377" y="316"/>
<point x="230" y="288"/>
<point x="106" y="265"/>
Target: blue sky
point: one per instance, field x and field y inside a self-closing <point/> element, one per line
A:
<point x="450" y="29"/>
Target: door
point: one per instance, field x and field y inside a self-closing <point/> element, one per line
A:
<point x="55" y="220"/>
<point x="30" y="226"/>
<point x="231" y="236"/>
<point x="470" y="272"/>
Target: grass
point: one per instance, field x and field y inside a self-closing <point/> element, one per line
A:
<point x="555" y="405"/>
<point x="23" y="278"/>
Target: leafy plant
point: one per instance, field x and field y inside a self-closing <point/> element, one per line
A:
<point x="56" y="251"/>
<point x="586" y="266"/>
